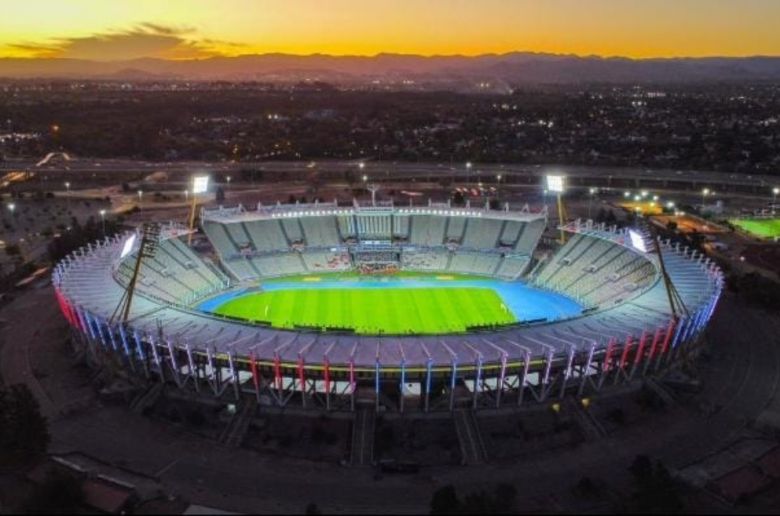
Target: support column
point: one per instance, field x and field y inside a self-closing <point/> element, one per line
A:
<point x="255" y="374"/>
<point x="501" y="379"/>
<point x="453" y="379"/>
<point x="428" y="374"/>
<point x="302" y="380"/>
<point x="477" y="380"/>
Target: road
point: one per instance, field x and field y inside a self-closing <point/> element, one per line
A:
<point x="602" y="176"/>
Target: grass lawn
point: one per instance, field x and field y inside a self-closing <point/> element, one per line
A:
<point x="764" y="228"/>
<point x="356" y="276"/>
<point x="373" y="311"/>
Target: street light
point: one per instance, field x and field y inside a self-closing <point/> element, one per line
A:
<point x="103" y="219"/>
<point x="704" y="193"/>
<point x="67" y="198"/>
<point x="12" y="207"/>
<point x="775" y="191"/>
<point x="592" y="192"/>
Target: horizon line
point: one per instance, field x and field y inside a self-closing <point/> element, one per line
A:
<point x="402" y="54"/>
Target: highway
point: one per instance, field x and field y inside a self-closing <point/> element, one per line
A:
<point x="378" y="170"/>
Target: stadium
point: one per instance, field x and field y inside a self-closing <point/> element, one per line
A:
<point x="409" y="309"/>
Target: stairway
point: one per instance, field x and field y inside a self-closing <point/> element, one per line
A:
<point x="588" y="425"/>
<point x="147" y="398"/>
<point x="362" y="447"/>
<point x="472" y="447"/>
<point x="235" y="432"/>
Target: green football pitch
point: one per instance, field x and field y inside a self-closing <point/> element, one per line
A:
<point x="374" y="311"/>
<point x="764" y="228"/>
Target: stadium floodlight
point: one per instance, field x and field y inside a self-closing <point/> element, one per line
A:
<point x="555" y="184"/>
<point x="128" y="246"/>
<point x="637" y="241"/>
<point x="200" y="184"/>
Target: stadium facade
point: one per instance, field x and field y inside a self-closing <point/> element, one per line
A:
<point x="627" y="328"/>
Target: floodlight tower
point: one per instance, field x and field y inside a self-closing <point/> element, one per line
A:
<point x="645" y="239"/>
<point x="373" y="188"/>
<point x="555" y="184"/>
<point x="200" y="184"/>
<point x="150" y="237"/>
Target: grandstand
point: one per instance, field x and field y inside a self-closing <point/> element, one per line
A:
<point x="623" y="327"/>
<point x="252" y="244"/>
<point x="596" y="272"/>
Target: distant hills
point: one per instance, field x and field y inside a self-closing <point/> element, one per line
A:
<point x="492" y="70"/>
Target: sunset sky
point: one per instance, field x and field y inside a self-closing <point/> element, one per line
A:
<point x="180" y="29"/>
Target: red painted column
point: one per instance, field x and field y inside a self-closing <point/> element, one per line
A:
<point x="641" y="348"/>
<point x="608" y="355"/>
<point x="654" y="345"/>
<point x="669" y="334"/>
<point x="327" y="376"/>
<point x="626" y="348"/>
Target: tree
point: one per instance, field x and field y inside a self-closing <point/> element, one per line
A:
<point x="458" y="199"/>
<point x="59" y="493"/>
<point x="501" y="501"/>
<point x="24" y="431"/>
<point x="654" y="489"/>
<point x="13" y="250"/>
<point x="445" y="501"/>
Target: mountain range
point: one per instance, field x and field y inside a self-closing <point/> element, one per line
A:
<point x="510" y="68"/>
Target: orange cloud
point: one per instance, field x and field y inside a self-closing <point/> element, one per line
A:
<point x="144" y="40"/>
